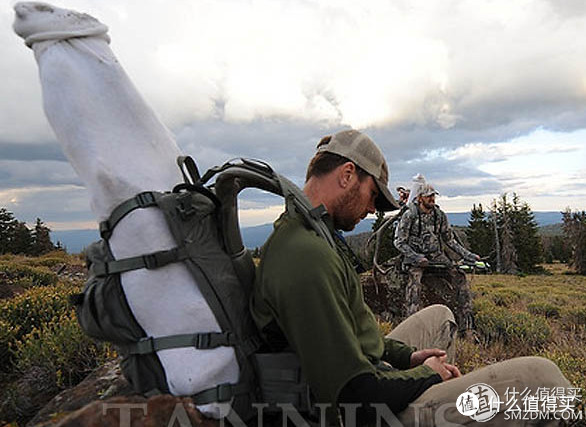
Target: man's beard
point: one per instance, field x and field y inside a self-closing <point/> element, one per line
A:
<point x="428" y="205"/>
<point x="345" y="209"/>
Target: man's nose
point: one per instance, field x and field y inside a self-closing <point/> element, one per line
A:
<point x="371" y="208"/>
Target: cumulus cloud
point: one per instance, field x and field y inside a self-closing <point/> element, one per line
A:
<point x="16" y="173"/>
<point x="472" y="64"/>
<point x="454" y="90"/>
<point x="62" y="203"/>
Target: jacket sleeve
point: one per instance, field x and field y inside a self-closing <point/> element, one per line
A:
<point x="396" y="393"/>
<point x="401" y="241"/>
<point x="397" y="353"/>
<point x="449" y="239"/>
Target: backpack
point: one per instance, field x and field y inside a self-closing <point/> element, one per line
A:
<point x="202" y="218"/>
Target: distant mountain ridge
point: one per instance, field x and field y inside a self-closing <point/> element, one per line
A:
<point x="76" y="240"/>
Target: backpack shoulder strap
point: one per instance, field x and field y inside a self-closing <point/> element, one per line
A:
<point x="296" y="198"/>
<point x="188" y="169"/>
<point x="235" y="176"/>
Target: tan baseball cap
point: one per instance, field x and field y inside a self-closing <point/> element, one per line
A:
<point x="360" y="149"/>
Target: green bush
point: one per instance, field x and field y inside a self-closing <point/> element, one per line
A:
<point x="576" y="316"/>
<point x="35" y="307"/>
<point x="571" y="365"/>
<point x="27" y="276"/>
<point x="45" y="262"/>
<point x="505" y="297"/>
<point x="50" y="259"/>
<point x="8" y="334"/>
<point x="497" y="285"/>
<point x="544" y="309"/>
<point x="500" y="324"/>
<point x="61" y="346"/>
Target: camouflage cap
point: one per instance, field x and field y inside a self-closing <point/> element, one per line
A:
<point x="361" y="150"/>
<point x="427" y="190"/>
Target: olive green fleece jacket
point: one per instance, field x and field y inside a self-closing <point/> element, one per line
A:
<point x="313" y="295"/>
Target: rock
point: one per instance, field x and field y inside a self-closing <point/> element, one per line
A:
<point x="23" y="398"/>
<point x="105" y="398"/>
<point x="137" y="411"/>
<point x="385" y="294"/>
<point x="106" y="381"/>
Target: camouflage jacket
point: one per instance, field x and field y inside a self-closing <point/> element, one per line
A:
<point x="420" y="235"/>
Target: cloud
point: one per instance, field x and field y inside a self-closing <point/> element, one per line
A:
<point x="32" y="151"/>
<point x="17" y="174"/>
<point x="21" y="115"/>
<point x="477" y="95"/>
<point x="67" y="203"/>
<point x="472" y="64"/>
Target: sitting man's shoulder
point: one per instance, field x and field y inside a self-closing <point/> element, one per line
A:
<point x="293" y="245"/>
<point x="291" y="233"/>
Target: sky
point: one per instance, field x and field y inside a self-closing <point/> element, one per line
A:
<point x="481" y="97"/>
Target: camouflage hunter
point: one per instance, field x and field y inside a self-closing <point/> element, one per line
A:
<point x="419" y="236"/>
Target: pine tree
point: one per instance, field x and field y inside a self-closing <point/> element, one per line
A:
<point x="41" y="239"/>
<point x="561" y="249"/>
<point x="15" y="237"/>
<point x="575" y="232"/>
<point x="525" y="236"/>
<point x="493" y="218"/>
<point x="23" y="240"/>
<point x="479" y="233"/>
<point x="8" y="226"/>
<point x="508" y="250"/>
<point x="59" y="246"/>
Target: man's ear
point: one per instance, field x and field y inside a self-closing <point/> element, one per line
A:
<point x="346" y="175"/>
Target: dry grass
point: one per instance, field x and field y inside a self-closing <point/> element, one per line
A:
<point x="541" y="315"/>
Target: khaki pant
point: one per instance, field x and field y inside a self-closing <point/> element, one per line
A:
<point x="434" y="327"/>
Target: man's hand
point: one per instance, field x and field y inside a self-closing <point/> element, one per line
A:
<point x="445" y="370"/>
<point x="418" y="357"/>
<point x="422" y="262"/>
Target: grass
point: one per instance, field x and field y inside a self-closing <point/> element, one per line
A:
<point x="540" y="315"/>
<point x="41" y="341"/>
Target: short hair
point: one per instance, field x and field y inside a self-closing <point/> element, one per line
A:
<point x="324" y="162"/>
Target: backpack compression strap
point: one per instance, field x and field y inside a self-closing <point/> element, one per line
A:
<point x="201" y="341"/>
<point x="146" y="345"/>
<point x="154" y="260"/>
<point x="220" y="393"/>
<point x="140" y="201"/>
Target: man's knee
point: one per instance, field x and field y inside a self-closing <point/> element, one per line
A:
<point x="537" y="372"/>
<point x="439" y="312"/>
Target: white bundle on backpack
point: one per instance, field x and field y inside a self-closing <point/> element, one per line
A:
<point x="119" y="148"/>
<point x="417" y="183"/>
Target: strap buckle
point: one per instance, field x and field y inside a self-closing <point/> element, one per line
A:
<point x="145" y="345"/>
<point x="224" y="392"/>
<point x="145" y="199"/>
<point x="105" y="229"/>
<point x="184" y="207"/>
<point x="208" y="340"/>
<point x="151" y="261"/>
<point x="100" y="269"/>
<point x="203" y="341"/>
